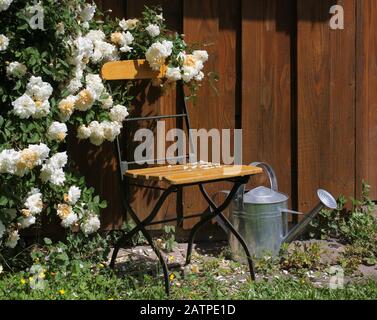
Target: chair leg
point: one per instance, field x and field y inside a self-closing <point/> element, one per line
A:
<point x="121" y="242"/>
<point x="243" y="243"/>
<point x="160" y="258"/>
<point x="218" y="212"/>
<point x="114" y="256"/>
<point x="140" y="226"/>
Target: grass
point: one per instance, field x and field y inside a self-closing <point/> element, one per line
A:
<point x="103" y="284"/>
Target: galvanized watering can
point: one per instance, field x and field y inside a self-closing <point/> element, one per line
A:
<point x="261" y="217"/>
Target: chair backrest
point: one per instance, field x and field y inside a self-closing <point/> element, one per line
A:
<point x="140" y="70"/>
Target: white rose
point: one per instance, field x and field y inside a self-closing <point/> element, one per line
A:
<point x="52" y="169"/>
<point x="38" y="89"/>
<point x="8" y="161"/>
<point x="111" y="130"/>
<point x="173" y="74"/>
<point x="74" y="194"/>
<point x="26" y="222"/>
<point x="34" y="201"/>
<point x="153" y="30"/>
<point x="87" y="13"/>
<point x="69" y="220"/>
<point x="2" y="230"/>
<point x="57" y="131"/>
<point x="91" y="225"/>
<point x="41" y="150"/>
<point x="158" y="52"/>
<point x="94" y="83"/>
<point x="16" y="70"/>
<point x="4" y="42"/>
<point x="95" y="35"/>
<point x="118" y="113"/>
<point x="96" y="133"/>
<point x="129" y="24"/>
<point x="104" y="51"/>
<point x="201" y="55"/>
<point x="12" y="239"/>
<point x="67" y="107"/>
<point x="85" y="99"/>
<point x="4" y="5"/>
<point x="24" y="106"/>
<point x="107" y="103"/>
<point x="74" y="85"/>
<point x="83" y="132"/>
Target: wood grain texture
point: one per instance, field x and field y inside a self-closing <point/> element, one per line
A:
<point x="130" y="70"/>
<point x="326" y="102"/>
<point x="366" y="96"/>
<point x="181" y="174"/>
<point x="266" y="81"/>
<point x="201" y="25"/>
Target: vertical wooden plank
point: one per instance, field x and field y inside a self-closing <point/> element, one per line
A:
<point x="266" y="91"/>
<point x="326" y="101"/>
<point x="366" y="96"/>
<point x="201" y="25"/>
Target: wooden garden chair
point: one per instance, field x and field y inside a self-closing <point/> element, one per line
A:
<point x="173" y="178"/>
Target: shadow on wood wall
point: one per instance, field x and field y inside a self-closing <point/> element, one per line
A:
<point x="286" y="79"/>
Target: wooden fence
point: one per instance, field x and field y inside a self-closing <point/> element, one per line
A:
<point x="305" y="95"/>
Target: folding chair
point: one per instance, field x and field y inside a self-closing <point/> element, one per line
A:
<point x="174" y="178"/>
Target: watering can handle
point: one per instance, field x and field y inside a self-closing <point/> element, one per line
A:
<point x="270" y="173"/>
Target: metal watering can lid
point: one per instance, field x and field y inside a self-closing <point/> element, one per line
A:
<point x="263" y="195"/>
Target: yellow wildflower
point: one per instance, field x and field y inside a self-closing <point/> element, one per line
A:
<point x="172" y="277"/>
<point x="61" y="292"/>
<point x="23" y="281"/>
<point x="195" y="268"/>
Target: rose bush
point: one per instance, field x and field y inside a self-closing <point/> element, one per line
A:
<point x="49" y="82"/>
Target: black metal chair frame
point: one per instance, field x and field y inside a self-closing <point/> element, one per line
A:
<point x="215" y="211"/>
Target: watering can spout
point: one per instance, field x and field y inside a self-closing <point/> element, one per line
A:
<point x="326" y="201"/>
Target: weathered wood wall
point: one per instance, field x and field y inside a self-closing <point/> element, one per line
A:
<point x="304" y="94"/>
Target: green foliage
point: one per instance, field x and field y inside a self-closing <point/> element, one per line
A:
<point x="169" y="238"/>
<point x="357" y="228"/>
<point x="302" y="258"/>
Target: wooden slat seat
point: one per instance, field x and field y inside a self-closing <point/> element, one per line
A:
<point x="192" y="173"/>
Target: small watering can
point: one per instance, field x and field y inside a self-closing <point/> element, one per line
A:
<point x="261" y="217"/>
